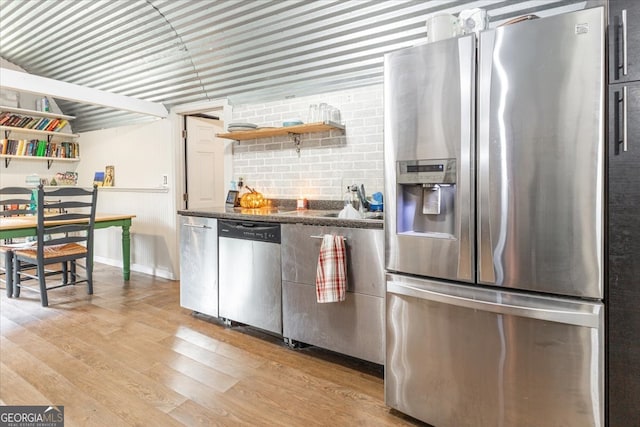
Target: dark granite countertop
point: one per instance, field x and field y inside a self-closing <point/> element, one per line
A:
<point x="287" y="215"/>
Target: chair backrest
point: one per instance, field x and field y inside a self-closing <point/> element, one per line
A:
<point x="16" y="201"/>
<point x="69" y="218"/>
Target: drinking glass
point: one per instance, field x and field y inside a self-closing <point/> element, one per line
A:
<point x="313" y="113"/>
<point x="336" y="117"/>
<point x="323" y="112"/>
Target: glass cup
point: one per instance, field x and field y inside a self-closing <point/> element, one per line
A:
<point x="323" y="112"/>
<point x="313" y="114"/>
<point x="335" y="116"/>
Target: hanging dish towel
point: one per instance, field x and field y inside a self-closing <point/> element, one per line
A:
<point x="331" y="275"/>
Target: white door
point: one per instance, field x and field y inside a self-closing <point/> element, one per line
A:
<point x="205" y="163"/>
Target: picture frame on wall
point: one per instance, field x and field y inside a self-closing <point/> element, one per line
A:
<point x="98" y="179"/>
<point x="109" y="176"/>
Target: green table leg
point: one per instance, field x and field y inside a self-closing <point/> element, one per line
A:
<point x="126" y="252"/>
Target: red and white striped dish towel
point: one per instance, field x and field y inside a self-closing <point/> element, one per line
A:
<point x="331" y="275"/>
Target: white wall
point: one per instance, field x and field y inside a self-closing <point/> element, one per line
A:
<point x="328" y="161"/>
<point x="141" y="154"/>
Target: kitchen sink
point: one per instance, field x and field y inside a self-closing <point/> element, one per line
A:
<point x="367" y="215"/>
<point x="329" y="214"/>
<point x="374" y="215"/>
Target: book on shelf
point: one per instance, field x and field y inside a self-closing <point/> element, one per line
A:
<point x="23" y="121"/>
<point x="39" y="148"/>
<point x="13" y="119"/>
<point x="61" y="125"/>
<point x="35" y="123"/>
<point x="6" y="120"/>
<point x="43" y="124"/>
<point x="51" y="126"/>
<point x="42" y="147"/>
<point x="29" y="122"/>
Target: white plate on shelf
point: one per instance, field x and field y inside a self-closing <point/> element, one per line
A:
<point x="243" y="125"/>
<point x="239" y="128"/>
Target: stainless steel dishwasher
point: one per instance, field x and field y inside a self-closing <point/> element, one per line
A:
<point x="250" y="290"/>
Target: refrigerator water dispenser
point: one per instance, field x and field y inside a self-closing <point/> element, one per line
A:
<point x="426" y="195"/>
<point x="431" y="199"/>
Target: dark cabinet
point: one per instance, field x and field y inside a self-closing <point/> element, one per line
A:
<point x="624" y="40"/>
<point x="623" y="213"/>
<point x="623" y="290"/>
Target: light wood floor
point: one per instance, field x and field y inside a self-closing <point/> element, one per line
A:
<point x="130" y="355"/>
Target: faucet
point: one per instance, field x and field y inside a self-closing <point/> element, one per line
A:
<point x="364" y="204"/>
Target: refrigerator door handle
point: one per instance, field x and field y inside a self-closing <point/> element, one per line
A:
<point x="624" y="43"/>
<point x="590" y="319"/>
<point x="486" y="268"/>
<point x="624" y="119"/>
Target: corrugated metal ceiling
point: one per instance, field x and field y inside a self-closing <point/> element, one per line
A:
<point x="182" y="51"/>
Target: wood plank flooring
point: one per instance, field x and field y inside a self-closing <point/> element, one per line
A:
<point x="131" y="356"/>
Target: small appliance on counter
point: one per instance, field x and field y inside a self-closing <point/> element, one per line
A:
<point x="233" y="199"/>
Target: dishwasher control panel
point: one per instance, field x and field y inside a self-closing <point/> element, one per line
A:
<point x="250" y="230"/>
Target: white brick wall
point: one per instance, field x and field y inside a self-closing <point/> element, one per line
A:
<point x="328" y="162"/>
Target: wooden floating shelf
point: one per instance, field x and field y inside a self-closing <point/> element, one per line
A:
<point x="60" y="159"/>
<point x="35" y="113"/>
<point x="38" y="132"/>
<point x="8" y="157"/>
<point x="243" y="135"/>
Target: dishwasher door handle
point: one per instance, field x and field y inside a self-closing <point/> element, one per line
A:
<point x="197" y="226"/>
<point x="322" y="237"/>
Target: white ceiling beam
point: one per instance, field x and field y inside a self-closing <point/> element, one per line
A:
<point x="25" y="82"/>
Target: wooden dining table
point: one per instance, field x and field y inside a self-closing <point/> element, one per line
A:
<point x="25" y="226"/>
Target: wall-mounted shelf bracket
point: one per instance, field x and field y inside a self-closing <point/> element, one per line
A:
<point x="7" y="132"/>
<point x="295" y="138"/>
<point x="7" y="161"/>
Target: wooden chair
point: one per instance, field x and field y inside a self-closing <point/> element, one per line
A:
<point x="63" y="237"/>
<point x="14" y="201"/>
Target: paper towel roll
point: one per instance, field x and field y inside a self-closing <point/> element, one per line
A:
<point x="441" y="26"/>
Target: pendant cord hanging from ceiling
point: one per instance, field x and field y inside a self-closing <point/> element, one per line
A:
<point x="183" y="47"/>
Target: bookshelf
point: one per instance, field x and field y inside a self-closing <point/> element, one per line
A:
<point x="35" y="125"/>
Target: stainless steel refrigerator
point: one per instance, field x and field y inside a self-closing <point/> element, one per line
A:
<point x="494" y="167"/>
